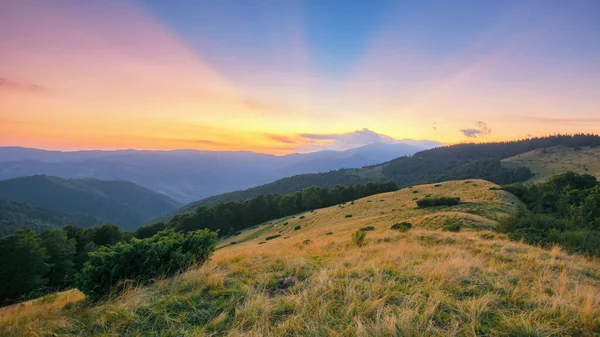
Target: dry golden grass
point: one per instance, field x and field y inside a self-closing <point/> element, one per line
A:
<point x="557" y="160"/>
<point x="425" y="282"/>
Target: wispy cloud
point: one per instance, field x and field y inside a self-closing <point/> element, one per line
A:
<point x="6" y="83"/>
<point x="480" y="129"/>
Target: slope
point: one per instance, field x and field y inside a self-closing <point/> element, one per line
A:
<point x="16" y="215"/>
<point x="548" y="162"/>
<point x="123" y="203"/>
<point x="315" y="282"/>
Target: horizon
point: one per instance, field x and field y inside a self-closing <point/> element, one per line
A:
<point x="294" y="77"/>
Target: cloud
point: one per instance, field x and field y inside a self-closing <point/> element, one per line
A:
<point x="480" y="129"/>
<point x="14" y="85"/>
<point x="348" y="140"/>
<point x="356" y="138"/>
<point x="282" y="139"/>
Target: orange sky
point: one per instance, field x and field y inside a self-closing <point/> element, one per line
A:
<point x="110" y="75"/>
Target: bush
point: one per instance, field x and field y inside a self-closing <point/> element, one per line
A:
<point x="451" y="226"/>
<point x="437" y="185"/>
<point x="143" y="260"/>
<point x="367" y="229"/>
<point x="358" y="238"/>
<point x="441" y="201"/>
<point x="302" y="217"/>
<point x="402" y="226"/>
<point x="297" y="228"/>
<point x="348" y="216"/>
<point x="329" y="233"/>
<point x="272" y="237"/>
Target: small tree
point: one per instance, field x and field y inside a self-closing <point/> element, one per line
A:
<point x="358" y="238"/>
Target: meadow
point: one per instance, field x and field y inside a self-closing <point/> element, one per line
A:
<point x="545" y="163"/>
<point x="313" y="281"/>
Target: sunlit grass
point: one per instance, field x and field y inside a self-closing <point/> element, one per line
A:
<point x="424" y="282"/>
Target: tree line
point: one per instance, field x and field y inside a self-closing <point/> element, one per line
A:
<point x="229" y="217"/>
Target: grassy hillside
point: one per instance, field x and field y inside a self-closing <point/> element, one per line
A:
<point x="314" y="281"/>
<point x="545" y="163"/>
<point x="16" y="215"/>
<point x="123" y="203"/>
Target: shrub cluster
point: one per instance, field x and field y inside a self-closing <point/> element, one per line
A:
<point x="367" y="229"/>
<point x="402" y="226"/>
<point x="441" y="201"/>
<point x="358" y="238"/>
<point x="143" y="261"/>
<point x="272" y="237"/>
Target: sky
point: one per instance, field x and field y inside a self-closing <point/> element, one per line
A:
<point x="294" y="76"/>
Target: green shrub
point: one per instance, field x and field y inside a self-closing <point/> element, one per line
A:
<point x="402" y="226"/>
<point x="297" y="228"/>
<point x="437" y="185"/>
<point x="451" y="226"/>
<point x="143" y="260"/>
<point x="358" y="238"/>
<point x="262" y="243"/>
<point x="441" y="201"/>
<point x="272" y="237"/>
<point x="415" y="191"/>
<point x="348" y="216"/>
<point x="306" y="242"/>
<point x="367" y="229"/>
<point x="285" y="223"/>
<point x="329" y="233"/>
<point x="232" y="242"/>
<point x="302" y="217"/>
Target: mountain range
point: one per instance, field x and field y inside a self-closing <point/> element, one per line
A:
<point x="190" y="175"/>
<point x="38" y="201"/>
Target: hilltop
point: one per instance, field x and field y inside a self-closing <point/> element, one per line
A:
<point x="123" y="203"/>
<point x="311" y="280"/>
<point x="547" y="162"/>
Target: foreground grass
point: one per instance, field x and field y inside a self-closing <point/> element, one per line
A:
<point x="414" y="284"/>
<point x="425" y="282"/>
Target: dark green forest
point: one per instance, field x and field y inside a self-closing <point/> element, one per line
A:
<point x="453" y="162"/>
<point x="565" y="211"/>
<point x="122" y="203"/>
<point x="16" y="215"/>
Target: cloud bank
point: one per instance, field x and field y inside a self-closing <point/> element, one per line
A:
<point x="348" y="140"/>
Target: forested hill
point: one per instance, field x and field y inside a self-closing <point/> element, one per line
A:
<point x="15" y="215"/>
<point x="454" y="162"/>
<point x="122" y="203"/>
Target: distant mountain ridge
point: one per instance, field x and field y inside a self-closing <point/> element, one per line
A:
<point x="122" y="203"/>
<point x="453" y="162"/>
<point x="188" y="175"/>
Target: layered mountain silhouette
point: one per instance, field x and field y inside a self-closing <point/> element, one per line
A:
<point x="189" y="175"/>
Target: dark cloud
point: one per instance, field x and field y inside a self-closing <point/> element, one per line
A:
<point x="480" y="129"/>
